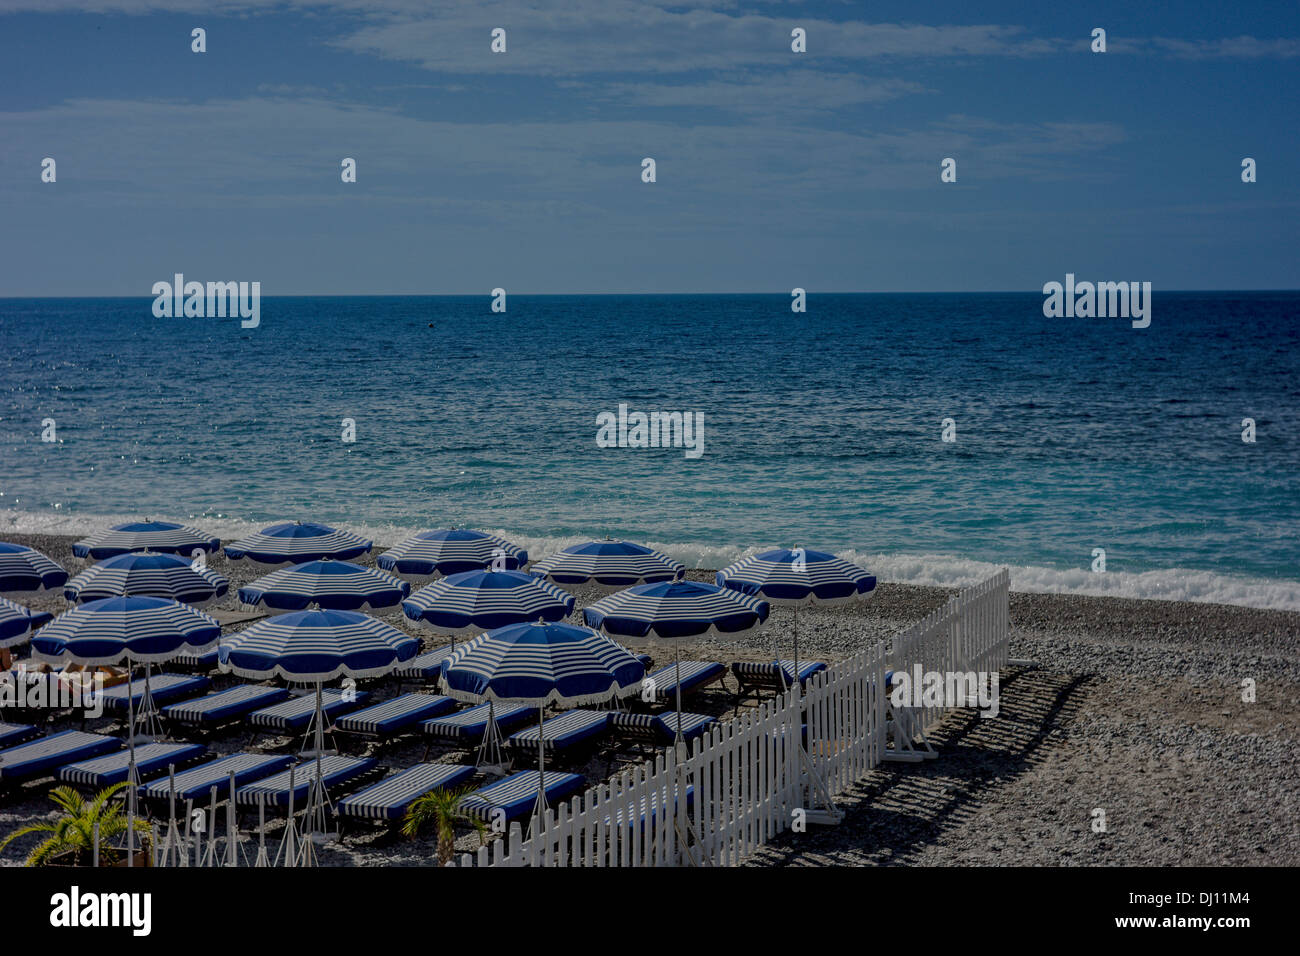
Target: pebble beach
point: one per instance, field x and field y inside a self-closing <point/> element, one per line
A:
<point x="1131" y="707"/>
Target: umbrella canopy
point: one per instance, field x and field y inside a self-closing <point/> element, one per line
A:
<point x="795" y="576"/>
<point x="539" y="664"/>
<point x="25" y="572"/>
<point x="425" y="556"/>
<point x="294" y="542"/>
<point x="608" y="563"/>
<point x="338" y="585"/>
<point x="315" y="646"/>
<point x="145" y="574"/>
<point x="676" y="609"/>
<point x="163" y="537"/>
<point x="475" y="601"/>
<point x="132" y="629"/>
<point x="17" y="623"/>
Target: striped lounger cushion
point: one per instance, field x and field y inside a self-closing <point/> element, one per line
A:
<point x="645" y="804"/>
<point x="11" y="734"/>
<point x="150" y="761"/>
<point x="766" y="673"/>
<point x="225" y="706"/>
<point x="197" y="782"/>
<point x="297" y="712"/>
<point x="40" y="757"/>
<point x="468" y="726"/>
<point x="426" y="666"/>
<point x="335" y="770"/>
<point x="395" y="716"/>
<point x="516" y="795"/>
<point x="567" y="730"/>
<point x="695" y="674"/>
<point x="390" y="798"/>
<point x="205" y="661"/>
<point x="662" y="727"/>
<point x="162" y="688"/>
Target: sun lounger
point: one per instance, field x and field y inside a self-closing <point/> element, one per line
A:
<point x="647" y="809"/>
<point x="45" y="755"/>
<point x="775" y="676"/>
<point x="424" y="668"/>
<point x="296" y="713"/>
<point x="395" y="717"/>
<point x="466" y="727"/>
<point x="199" y="663"/>
<point x="516" y="795"/>
<point x="196" y="783"/>
<point x="336" y="771"/>
<point x="151" y="760"/>
<point x="390" y="798"/>
<point x="225" y="706"/>
<point x="660" y="729"/>
<point x="163" y="688"/>
<point x="13" y="734"/>
<point x="696" y="675"/>
<point x="562" y="734"/>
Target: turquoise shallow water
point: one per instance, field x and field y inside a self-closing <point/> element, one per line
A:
<point x="820" y="429"/>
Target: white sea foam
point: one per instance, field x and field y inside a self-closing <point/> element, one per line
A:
<point x="1167" y="584"/>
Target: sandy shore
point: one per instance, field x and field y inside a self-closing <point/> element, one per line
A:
<point x="1132" y="707"/>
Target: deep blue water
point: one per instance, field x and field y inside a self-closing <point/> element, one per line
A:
<point x="821" y="430"/>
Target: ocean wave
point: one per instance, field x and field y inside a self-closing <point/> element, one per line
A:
<point x="937" y="570"/>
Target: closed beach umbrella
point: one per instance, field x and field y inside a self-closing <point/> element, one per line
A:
<point x="295" y="542"/>
<point x="337" y="585"/>
<point x="17" y="623"/>
<point x="25" y="572"/>
<point x="676" y="610"/>
<point x="477" y="601"/>
<point x="539" y="664"/>
<point x="794" y="577"/>
<point x="617" y="564"/>
<point x="430" y="554"/>
<point x="130" y="630"/>
<point x="163" y="537"/>
<point x="312" y="647"/>
<point x="145" y="574"/>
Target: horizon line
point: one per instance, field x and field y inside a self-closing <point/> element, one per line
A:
<point x="473" y="295"/>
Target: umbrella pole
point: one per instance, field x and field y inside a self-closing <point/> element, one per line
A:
<point x="797" y="688"/>
<point x="677" y="651"/>
<point x="130" y="772"/>
<point x="541" y="769"/>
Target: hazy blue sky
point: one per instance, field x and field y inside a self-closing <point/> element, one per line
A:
<point x="522" y="169"/>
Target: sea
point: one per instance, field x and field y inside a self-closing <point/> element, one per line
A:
<point x="1069" y="437"/>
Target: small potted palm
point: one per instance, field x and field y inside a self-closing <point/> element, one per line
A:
<point x="442" y="810"/>
<point x="70" y="839"/>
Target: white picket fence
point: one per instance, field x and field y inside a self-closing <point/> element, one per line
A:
<point x="969" y="633"/>
<point x="753" y="776"/>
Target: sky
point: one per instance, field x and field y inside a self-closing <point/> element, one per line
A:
<point x="523" y="170"/>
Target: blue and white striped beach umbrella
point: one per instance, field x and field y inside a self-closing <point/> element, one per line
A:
<point x="316" y="645"/>
<point x="609" y="564"/>
<point x="294" y="542"/>
<point x="676" y="609"/>
<point x="125" y="629"/>
<point x="796" y="576"/>
<point x="477" y="601"/>
<point x="539" y="664"/>
<point x="25" y="572"/>
<point x="17" y="623"/>
<point x="429" y="554"/>
<point x="163" y="537"/>
<point x="337" y="585"/>
<point x="145" y="574"/>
